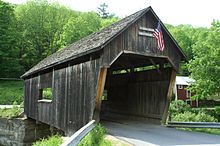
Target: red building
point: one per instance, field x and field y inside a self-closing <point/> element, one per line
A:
<point x="181" y="91"/>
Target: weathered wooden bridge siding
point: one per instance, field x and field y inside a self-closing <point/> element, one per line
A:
<point x="74" y="90"/>
<point x="140" y="94"/>
<point x="130" y="40"/>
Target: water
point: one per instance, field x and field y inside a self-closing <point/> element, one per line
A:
<point x="22" y="132"/>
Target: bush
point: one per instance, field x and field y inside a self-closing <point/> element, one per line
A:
<point x="215" y="112"/>
<point x="192" y="117"/>
<point x="178" y="106"/>
<point x="11" y="91"/>
<point x="95" y="137"/>
<point x="11" y="112"/>
<point x="54" y="140"/>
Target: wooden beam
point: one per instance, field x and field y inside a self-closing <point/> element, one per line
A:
<point x="147" y="34"/>
<point x="151" y="60"/>
<point x="146" y="29"/>
<point x="99" y="92"/>
<point x="169" y="96"/>
<point x="171" y="85"/>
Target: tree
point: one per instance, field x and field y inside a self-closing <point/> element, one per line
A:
<point x="80" y="26"/>
<point x="108" y="21"/>
<point x="186" y="36"/>
<point x="9" y="63"/>
<point x="102" y="11"/>
<point x="40" y="26"/>
<point x="205" y="67"/>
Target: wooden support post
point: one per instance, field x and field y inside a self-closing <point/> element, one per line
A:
<point x="99" y="92"/>
<point x="169" y="96"/>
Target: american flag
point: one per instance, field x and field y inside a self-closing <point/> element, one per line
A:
<point x="159" y="36"/>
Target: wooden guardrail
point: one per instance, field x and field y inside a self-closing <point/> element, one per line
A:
<point x="213" y="125"/>
<point x="78" y="135"/>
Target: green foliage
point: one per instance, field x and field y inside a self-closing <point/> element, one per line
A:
<point x="40" y="26"/>
<point x="11" y="91"/>
<point x="181" y="111"/>
<point x="217" y="109"/>
<point x="192" y="117"/>
<point x="186" y="36"/>
<point x="178" y="106"/>
<point x="207" y="130"/>
<point x="32" y="31"/>
<point x="95" y="137"/>
<point x="79" y="27"/>
<point x="9" y="62"/>
<point x="47" y="93"/>
<point x="54" y="140"/>
<point x="108" y="21"/>
<point x="11" y="112"/>
<point x="205" y="67"/>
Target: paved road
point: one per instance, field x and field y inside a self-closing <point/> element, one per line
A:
<point x="143" y="134"/>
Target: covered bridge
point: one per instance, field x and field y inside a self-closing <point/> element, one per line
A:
<point x="122" y="60"/>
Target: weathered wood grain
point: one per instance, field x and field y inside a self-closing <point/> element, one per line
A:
<point x="99" y="92"/>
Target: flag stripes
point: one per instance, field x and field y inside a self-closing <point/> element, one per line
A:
<point x="159" y="36"/>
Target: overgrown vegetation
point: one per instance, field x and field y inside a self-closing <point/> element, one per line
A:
<point x="181" y="112"/>
<point x="95" y="137"/>
<point x="54" y="140"/>
<point x="188" y="116"/>
<point x="11" y="91"/>
<point x="11" y="112"/>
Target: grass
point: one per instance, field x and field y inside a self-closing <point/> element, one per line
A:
<point x="205" y="130"/>
<point x="10" y="112"/>
<point x="11" y="91"/>
<point x="210" y="131"/>
<point x="54" y="140"/>
<point x="95" y="137"/>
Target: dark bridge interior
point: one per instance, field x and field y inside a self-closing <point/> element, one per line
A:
<point x="136" y="88"/>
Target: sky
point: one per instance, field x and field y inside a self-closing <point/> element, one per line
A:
<point x="198" y="13"/>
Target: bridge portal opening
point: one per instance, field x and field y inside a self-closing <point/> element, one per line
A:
<point x="136" y="88"/>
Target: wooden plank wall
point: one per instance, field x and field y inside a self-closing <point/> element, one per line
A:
<point x="130" y="40"/>
<point x="141" y="94"/>
<point x="74" y="90"/>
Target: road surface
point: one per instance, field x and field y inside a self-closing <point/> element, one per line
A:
<point x="143" y="134"/>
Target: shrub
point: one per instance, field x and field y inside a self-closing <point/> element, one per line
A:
<point x="95" y="137"/>
<point x="54" y="140"/>
<point x="11" y="91"/>
<point x="203" y="117"/>
<point x="215" y="112"/>
<point x="178" y="106"/>
<point x="184" y="117"/>
<point x="11" y="112"/>
<point x="192" y="117"/>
